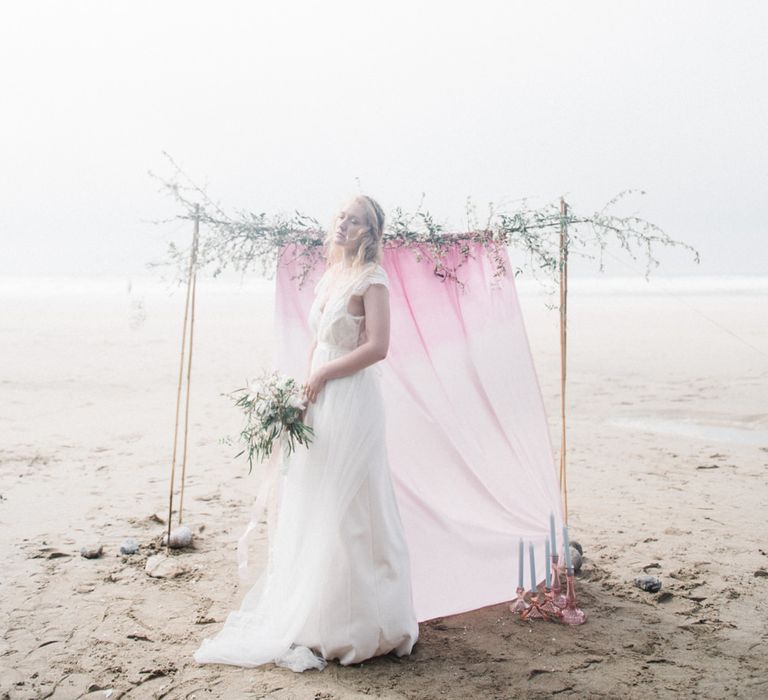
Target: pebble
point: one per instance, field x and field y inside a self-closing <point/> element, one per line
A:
<point x="161" y="566"/>
<point x="650" y="584"/>
<point x="92" y="552"/>
<point x="180" y="537"/>
<point x="576" y="559"/>
<point x="129" y="547"/>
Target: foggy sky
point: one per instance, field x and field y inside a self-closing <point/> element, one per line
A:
<point x="295" y="105"/>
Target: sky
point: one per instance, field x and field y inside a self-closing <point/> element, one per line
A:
<point x="291" y="105"/>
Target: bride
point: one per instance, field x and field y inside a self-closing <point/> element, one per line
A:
<point x="337" y="581"/>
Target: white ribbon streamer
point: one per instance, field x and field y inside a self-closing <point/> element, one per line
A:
<point x="257" y="512"/>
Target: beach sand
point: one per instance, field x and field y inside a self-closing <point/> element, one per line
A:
<point x="667" y="464"/>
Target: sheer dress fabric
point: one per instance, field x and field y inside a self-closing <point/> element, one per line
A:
<point x="337" y="584"/>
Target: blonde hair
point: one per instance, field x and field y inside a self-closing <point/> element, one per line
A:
<point x="370" y="248"/>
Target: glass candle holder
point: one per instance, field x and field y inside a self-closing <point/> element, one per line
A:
<point x="546" y="604"/>
<point x="519" y="604"/>
<point x="557" y="595"/>
<point x="535" y="610"/>
<point x="571" y="614"/>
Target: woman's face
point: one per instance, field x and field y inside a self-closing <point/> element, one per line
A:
<point x="351" y="224"/>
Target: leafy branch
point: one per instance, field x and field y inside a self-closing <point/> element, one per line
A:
<point x="244" y="239"/>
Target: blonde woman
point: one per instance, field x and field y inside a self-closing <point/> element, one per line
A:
<point x="337" y="582"/>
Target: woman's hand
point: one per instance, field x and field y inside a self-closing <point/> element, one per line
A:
<point x="315" y="384"/>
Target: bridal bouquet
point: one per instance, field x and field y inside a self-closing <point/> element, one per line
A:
<point x="274" y="406"/>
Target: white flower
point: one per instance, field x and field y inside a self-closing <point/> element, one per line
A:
<point x="295" y="401"/>
<point x="255" y="388"/>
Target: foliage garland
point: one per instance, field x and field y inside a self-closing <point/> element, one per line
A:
<point x="245" y="239"/>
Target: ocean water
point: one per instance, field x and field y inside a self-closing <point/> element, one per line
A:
<point x="655" y="286"/>
<point x="48" y="286"/>
<point x="115" y="287"/>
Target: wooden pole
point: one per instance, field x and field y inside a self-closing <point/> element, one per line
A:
<point x="190" y="276"/>
<point x="563" y="348"/>
<point x="189" y="371"/>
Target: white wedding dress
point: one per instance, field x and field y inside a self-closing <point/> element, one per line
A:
<point x="337" y="583"/>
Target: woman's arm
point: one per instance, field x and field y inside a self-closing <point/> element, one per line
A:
<point x="376" y="304"/>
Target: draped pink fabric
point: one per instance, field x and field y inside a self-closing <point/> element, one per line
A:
<point x="467" y="436"/>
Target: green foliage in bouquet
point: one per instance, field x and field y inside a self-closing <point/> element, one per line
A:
<point x="274" y="406"/>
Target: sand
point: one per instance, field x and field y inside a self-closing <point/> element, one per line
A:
<point x="668" y="456"/>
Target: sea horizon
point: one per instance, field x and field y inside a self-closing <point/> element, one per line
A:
<point x="527" y="285"/>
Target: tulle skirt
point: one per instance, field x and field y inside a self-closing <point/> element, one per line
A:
<point x="337" y="582"/>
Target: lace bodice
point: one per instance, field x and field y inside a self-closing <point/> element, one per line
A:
<point x="329" y="318"/>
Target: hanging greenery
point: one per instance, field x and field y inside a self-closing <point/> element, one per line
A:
<point x="244" y="240"/>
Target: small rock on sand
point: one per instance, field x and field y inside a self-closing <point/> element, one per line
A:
<point x="92" y="552"/>
<point x="161" y="566"/>
<point x="129" y="547"/>
<point x="180" y="537"/>
<point x="650" y="584"/>
<point x="576" y="559"/>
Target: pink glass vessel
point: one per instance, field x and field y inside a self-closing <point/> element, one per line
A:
<point x="519" y="605"/>
<point x="571" y="614"/>
<point x="546" y="604"/>
<point x="536" y="609"/>
<point x="556" y="594"/>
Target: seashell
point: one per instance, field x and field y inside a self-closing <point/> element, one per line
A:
<point x="180" y="537"/>
<point x="129" y="547"/>
<point x="92" y="552"/>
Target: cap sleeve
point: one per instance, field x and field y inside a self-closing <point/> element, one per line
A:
<point x="376" y="275"/>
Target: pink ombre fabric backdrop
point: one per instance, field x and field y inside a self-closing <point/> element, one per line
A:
<point x="468" y="442"/>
